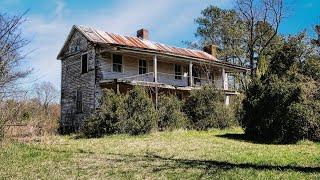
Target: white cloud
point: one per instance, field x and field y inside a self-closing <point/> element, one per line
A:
<point x="165" y="19"/>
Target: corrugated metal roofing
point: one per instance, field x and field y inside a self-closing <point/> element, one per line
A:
<point x="99" y="36"/>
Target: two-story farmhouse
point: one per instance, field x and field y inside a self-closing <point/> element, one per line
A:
<point x="93" y="59"/>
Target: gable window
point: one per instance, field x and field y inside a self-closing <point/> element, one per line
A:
<point x="84" y="63"/>
<point x="79" y="101"/>
<point x="177" y="71"/>
<point x="117" y="63"/>
<point x="142" y="66"/>
<point x="76" y="48"/>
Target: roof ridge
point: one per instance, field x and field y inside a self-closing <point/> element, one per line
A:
<point x="98" y="35"/>
<point x="148" y="40"/>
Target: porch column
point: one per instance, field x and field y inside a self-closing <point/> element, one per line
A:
<point x="225" y="86"/>
<point x="224" y="79"/>
<point x="190" y="74"/>
<point x="155" y="68"/>
<point x="227" y="100"/>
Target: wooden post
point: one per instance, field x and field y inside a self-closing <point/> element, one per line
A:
<point x="224" y="79"/>
<point x="225" y="86"/>
<point x="156" y="98"/>
<point x="155" y="68"/>
<point x="190" y="74"/>
<point x="155" y="75"/>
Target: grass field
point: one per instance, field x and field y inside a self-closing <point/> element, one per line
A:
<point x="166" y="155"/>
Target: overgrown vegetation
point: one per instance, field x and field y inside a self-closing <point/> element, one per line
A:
<point x="170" y="113"/>
<point x="141" y="117"/>
<point x="134" y="113"/>
<point x="206" y="109"/>
<point x="28" y="117"/>
<point x="283" y="106"/>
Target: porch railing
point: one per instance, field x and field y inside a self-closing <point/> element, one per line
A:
<point x="176" y="80"/>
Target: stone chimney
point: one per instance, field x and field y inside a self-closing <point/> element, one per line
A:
<point x="143" y="34"/>
<point x="211" y="49"/>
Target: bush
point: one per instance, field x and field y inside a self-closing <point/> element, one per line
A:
<point x="283" y="105"/>
<point x="205" y="109"/>
<point x="141" y="116"/>
<point x="281" y="110"/>
<point x="108" y="118"/>
<point x="131" y="114"/>
<point x="170" y="115"/>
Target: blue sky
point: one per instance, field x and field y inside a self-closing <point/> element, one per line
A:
<point x="169" y="21"/>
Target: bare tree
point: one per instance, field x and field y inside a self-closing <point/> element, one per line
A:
<point x="317" y="41"/>
<point x="46" y="94"/>
<point x="262" y="19"/>
<point x="12" y="45"/>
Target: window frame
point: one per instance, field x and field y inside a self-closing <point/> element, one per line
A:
<point x="146" y="67"/>
<point x="196" y="74"/>
<point x="121" y="69"/>
<point x="79" y="101"/>
<point x="178" y="74"/>
<point x="87" y="69"/>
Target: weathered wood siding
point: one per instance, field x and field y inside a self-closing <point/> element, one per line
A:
<point x="72" y="80"/>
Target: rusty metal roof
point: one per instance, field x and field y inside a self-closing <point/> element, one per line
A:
<point x="99" y="36"/>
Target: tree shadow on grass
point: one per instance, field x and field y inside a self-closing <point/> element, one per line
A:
<point x="157" y="163"/>
<point x="243" y="137"/>
<point x="212" y="164"/>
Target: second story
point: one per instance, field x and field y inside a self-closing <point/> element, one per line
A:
<point x="138" y="60"/>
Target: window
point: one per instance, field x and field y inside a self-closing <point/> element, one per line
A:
<point x="142" y="66"/>
<point x="177" y="71"/>
<point x="196" y="74"/>
<point x="76" y="48"/>
<point x="79" y="101"/>
<point x="84" y="63"/>
<point x="117" y="63"/>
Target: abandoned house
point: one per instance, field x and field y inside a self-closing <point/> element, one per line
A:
<point x="93" y="59"/>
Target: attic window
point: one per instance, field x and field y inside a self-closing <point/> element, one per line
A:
<point x="76" y="48"/>
<point x="84" y="63"/>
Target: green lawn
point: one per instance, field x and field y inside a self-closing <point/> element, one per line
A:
<point x="165" y="155"/>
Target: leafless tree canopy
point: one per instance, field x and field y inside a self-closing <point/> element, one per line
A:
<point x="46" y="94"/>
<point x="11" y="52"/>
<point x="262" y="18"/>
<point x="317" y="41"/>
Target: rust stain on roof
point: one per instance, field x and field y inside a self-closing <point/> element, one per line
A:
<point x="135" y="42"/>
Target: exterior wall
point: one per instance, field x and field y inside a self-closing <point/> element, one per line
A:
<point x="72" y="80"/>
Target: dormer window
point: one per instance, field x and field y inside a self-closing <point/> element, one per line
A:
<point x="84" y="63"/>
